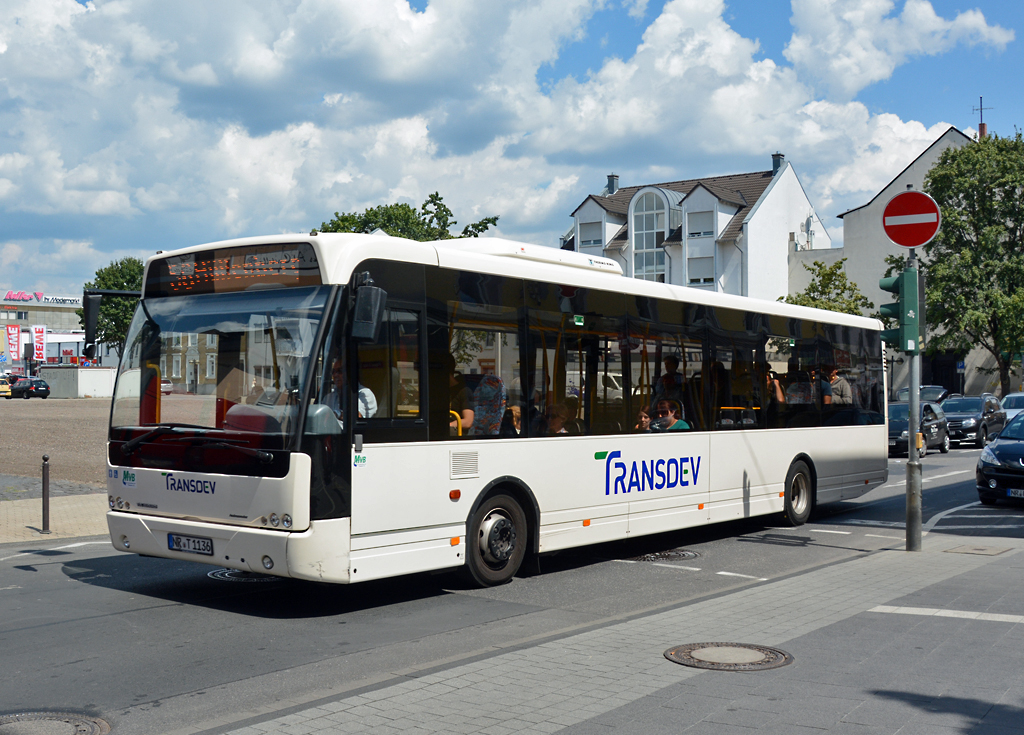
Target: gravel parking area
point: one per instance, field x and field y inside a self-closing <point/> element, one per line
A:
<point x="72" y="432"/>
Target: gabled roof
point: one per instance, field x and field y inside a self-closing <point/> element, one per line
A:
<point x="739" y="190"/>
<point x="880" y="191"/>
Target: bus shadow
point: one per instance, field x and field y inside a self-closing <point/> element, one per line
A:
<point x="261" y="596"/>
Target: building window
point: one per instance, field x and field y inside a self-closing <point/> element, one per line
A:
<point x="163" y="366"/>
<point x="590" y="234"/>
<point x="700" y="224"/>
<point x="193" y="339"/>
<point x="700" y="270"/>
<point x="211" y="367"/>
<point x="176" y="366"/>
<point x="211" y="340"/>
<point x="648" y="236"/>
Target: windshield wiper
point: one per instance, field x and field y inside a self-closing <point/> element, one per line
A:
<point x="260" y="454"/>
<point x="131" y="445"/>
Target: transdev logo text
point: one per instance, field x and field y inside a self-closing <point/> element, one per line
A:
<point x="186" y="485"/>
<point x="654" y="474"/>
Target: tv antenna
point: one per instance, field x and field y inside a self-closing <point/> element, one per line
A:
<point x="980" y="109"/>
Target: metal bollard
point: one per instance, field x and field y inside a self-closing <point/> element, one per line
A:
<point x="46" y="493"/>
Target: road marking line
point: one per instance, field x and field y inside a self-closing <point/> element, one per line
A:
<point x="56" y="548"/>
<point x="745" y="576"/>
<point x="1018" y="516"/>
<point x="875" y="535"/>
<point x="861" y="522"/>
<point x="930" y="524"/>
<point x="658" y="564"/>
<point x="935" y="612"/>
<point x="967" y="528"/>
<point x="950" y="474"/>
<point x="825" y="530"/>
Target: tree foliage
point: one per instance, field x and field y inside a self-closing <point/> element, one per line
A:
<point x="116" y="312"/>
<point x="433" y="221"/>
<point x="830" y="289"/>
<point x="974" y="268"/>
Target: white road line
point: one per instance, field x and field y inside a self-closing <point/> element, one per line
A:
<point x="745" y="576"/>
<point x="825" y="530"/>
<point x="861" y="522"/>
<point x="964" y="528"/>
<point x="875" y="535"/>
<point x="930" y="523"/>
<point x="950" y="474"/>
<point x="658" y="564"/>
<point x="936" y="612"/>
<point x="1018" y="516"/>
<point x="56" y="548"/>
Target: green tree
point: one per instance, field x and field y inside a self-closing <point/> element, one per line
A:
<point x="433" y="221"/>
<point x="831" y="289"/>
<point x="115" y="311"/>
<point x="974" y="268"/>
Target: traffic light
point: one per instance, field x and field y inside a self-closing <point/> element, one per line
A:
<point x="906" y="337"/>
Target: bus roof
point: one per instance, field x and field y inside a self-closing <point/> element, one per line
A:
<point x="340" y="253"/>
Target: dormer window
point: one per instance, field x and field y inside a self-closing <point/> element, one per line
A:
<point x="590" y="234"/>
<point x="700" y="224"/>
<point x="648" y="236"/>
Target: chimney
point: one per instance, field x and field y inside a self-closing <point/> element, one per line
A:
<point x="613" y="183"/>
<point x="777" y="159"/>
<point x="982" y="130"/>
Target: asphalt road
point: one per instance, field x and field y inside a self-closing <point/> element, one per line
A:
<point x="151" y="645"/>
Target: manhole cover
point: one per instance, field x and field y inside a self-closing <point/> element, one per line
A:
<point x="982" y="550"/>
<point x="670" y="555"/>
<point x="237" y="575"/>
<point x="728" y="656"/>
<point x="52" y="723"/>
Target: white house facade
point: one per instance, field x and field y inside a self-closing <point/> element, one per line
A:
<point x="734" y="234"/>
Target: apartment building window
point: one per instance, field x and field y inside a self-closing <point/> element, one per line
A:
<point x="648" y="236"/>
<point x="590" y="234"/>
<point x="700" y="224"/>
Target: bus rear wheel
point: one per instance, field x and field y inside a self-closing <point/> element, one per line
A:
<point x="799" y="494"/>
<point x="496" y="543"/>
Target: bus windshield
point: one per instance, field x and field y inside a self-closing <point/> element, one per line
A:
<point x="230" y="361"/>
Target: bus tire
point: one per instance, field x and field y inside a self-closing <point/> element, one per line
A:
<point x="799" y="494"/>
<point x="497" y="541"/>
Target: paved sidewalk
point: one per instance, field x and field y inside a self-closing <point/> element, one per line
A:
<point x="931" y="642"/>
<point x="70" y="516"/>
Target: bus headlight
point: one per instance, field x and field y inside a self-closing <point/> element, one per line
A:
<point x="274" y="520"/>
<point x="286" y="521"/>
<point x="125" y="542"/>
<point x="268" y="563"/>
<point x="120" y="503"/>
<point x="110" y="501"/>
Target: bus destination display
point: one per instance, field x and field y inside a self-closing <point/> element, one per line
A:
<point x="223" y="270"/>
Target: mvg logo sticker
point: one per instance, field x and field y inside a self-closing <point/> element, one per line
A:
<point x="127" y="478"/>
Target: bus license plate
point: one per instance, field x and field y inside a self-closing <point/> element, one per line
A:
<point x="190" y="544"/>
<point x="1015" y="492"/>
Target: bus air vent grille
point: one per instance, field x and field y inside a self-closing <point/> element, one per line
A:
<point x="465" y="464"/>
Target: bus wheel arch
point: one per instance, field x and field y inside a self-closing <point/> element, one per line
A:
<point x="800" y="490"/>
<point x="500" y="530"/>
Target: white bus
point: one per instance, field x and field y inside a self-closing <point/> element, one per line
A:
<point x="340" y="407"/>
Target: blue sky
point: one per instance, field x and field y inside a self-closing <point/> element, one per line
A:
<point x="134" y="126"/>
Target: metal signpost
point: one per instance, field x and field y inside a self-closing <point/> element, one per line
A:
<point x="910" y="219"/>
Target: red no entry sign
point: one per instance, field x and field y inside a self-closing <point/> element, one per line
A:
<point x="911" y="219"/>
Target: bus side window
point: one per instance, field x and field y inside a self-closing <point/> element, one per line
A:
<point x="389" y="382"/>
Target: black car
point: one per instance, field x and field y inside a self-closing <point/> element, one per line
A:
<point x="933" y="426"/>
<point x="28" y="387"/>
<point x="1000" y="472"/>
<point x="933" y="393"/>
<point x="974" y="418"/>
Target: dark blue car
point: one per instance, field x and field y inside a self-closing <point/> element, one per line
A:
<point x="1000" y="473"/>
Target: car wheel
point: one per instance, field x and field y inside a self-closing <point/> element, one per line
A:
<point x="986" y="501"/>
<point x="799" y="494"/>
<point x="497" y="541"/>
<point x="944" y="447"/>
<point x="982" y="437"/>
<point x="25" y="396"/>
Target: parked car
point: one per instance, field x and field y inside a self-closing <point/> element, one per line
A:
<point x="974" y="418"/>
<point x="933" y="425"/>
<point x="934" y="393"/>
<point x="166" y="386"/>
<point x="1012" y="403"/>
<point x="5" y="388"/>
<point x="1000" y="472"/>
<point x="28" y="387"/>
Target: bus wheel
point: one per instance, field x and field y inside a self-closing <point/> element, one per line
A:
<point x="496" y="543"/>
<point x="798" y="494"/>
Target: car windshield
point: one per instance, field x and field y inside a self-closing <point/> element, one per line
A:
<point x="233" y="359"/>
<point x="962" y="405"/>
<point x="1014" y="401"/>
<point x="899" y="411"/>
<point x="932" y="392"/>
<point x="1014" y="429"/>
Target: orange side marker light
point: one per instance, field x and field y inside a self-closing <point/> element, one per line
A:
<point x="454" y="494"/>
<point x="586" y="522"/>
<point x="700" y="506"/>
<point x="455" y="540"/>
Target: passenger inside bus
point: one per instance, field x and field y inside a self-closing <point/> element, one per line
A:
<point x="666" y="417"/>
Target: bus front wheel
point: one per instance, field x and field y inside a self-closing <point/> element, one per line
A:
<point x="799" y="494"/>
<point x="496" y="543"/>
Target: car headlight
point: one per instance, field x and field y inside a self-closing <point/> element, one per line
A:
<point x="970" y="422"/>
<point x="988" y="457"/>
<point x="904" y="435"/>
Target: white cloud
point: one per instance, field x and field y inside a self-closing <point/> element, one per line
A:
<point x="847" y="45"/>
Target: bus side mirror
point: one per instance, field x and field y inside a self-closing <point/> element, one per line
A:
<point x="368" y="314"/>
<point x="90" y="317"/>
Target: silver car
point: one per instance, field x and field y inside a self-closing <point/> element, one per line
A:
<point x="1012" y="403"/>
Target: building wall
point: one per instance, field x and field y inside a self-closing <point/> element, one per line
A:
<point x="781" y="210"/>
